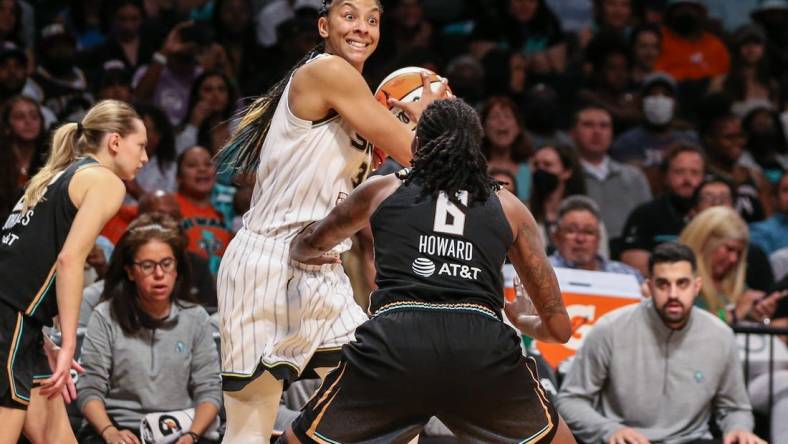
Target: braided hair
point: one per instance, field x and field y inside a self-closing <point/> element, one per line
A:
<point x="449" y="157"/>
<point x="241" y="153"/>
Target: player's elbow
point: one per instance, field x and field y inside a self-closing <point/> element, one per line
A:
<point x="67" y="260"/>
<point x="561" y="328"/>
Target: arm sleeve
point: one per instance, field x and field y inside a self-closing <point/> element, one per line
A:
<point x="582" y="388"/>
<point x="204" y="382"/>
<point x="96" y="358"/>
<point x="731" y="403"/>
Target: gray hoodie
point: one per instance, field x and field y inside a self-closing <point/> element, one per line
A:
<point x="634" y="371"/>
<point x="172" y="368"/>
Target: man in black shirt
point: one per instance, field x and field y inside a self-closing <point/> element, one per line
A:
<point x="436" y="344"/>
<point x="662" y="219"/>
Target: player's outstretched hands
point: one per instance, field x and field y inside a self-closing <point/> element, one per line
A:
<point x="741" y="437"/>
<point x="414" y="109"/>
<point x="627" y="435"/>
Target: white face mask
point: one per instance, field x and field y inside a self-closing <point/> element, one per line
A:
<point x="658" y="109"/>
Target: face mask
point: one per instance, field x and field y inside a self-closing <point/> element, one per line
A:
<point x="545" y="182"/>
<point x="658" y="109"/>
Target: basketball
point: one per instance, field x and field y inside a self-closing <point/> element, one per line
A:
<point x="405" y="85"/>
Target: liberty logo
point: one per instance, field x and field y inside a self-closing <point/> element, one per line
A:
<point x="698" y="376"/>
<point x="180" y="347"/>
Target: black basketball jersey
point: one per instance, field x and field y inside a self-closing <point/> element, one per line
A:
<point x="430" y="250"/>
<point x="30" y="244"/>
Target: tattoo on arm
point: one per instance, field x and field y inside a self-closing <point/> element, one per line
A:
<point x="537" y="275"/>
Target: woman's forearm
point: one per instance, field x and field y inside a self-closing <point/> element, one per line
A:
<point x="203" y="417"/>
<point x="96" y="414"/>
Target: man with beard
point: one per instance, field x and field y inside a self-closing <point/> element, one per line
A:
<point x="14" y="80"/>
<point x="57" y="82"/>
<point x="663" y="218"/>
<point x="640" y="362"/>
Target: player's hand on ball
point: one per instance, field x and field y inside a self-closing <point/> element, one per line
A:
<point x="414" y="109"/>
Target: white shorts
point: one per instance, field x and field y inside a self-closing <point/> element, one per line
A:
<point x="280" y="317"/>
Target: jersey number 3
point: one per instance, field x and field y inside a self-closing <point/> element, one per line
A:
<point x="449" y="218"/>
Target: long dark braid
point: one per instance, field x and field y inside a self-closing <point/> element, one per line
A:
<point x="241" y="153"/>
<point x="449" y="157"/>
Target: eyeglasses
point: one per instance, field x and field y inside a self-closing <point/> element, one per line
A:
<point x="576" y="231"/>
<point x="147" y="267"/>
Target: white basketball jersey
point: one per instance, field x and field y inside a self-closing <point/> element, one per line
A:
<point x="305" y="169"/>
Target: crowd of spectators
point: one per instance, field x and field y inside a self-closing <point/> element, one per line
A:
<point x="622" y="124"/>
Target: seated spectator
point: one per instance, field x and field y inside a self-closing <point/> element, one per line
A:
<point x="777" y="406"/>
<point x="505" y="178"/>
<point x="543" y="117"/>
<point x="83" y="20"/>
<point x="663" y="218"/>
<point x="723" y="139"/>
<point x="276" y="12"/>
<point x="529" y="27"/>
<point x="623" y="388"/>
<point x="646" y="145"/>
<point x="716" y="191"/>
<point x="750" y="77"/>
<point x="212" y="94"/>
<point x="719" y="237"/>
<point x="556" y="175"/>
<point x="57" y="82"/>
<point x="689" y="52"/>
<point x="577" y="236"/>
<point x="505" y="144"/>
<point x="233" y="21"/>
<point x="168" y="78"/>
<point x="203" y="224"/>
<point x="617" y="188"/>
<point x="772" y="233"/>
<point x="160" y="171"/>
<point x="614" y="15"/>
<point x="610" y="86"/>
<point x="646" y="44"/>
<point x="114" y="82"/>
<point x="23" y="132"/>
<point x="767" y="149"/>
<point x="130" y="39"/>
<point x="15" y="80"/>
<point x="202" y="288"/>
<point x="203" y="285"/>
<point x="146" y="322"/>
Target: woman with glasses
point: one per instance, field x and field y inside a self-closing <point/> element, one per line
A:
<point x="148" y="348"/>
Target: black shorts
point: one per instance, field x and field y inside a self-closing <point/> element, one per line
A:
<point x="22" y="357"/>
<point x="408" y="365"/>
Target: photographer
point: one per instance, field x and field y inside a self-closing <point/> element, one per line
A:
<point x="166" y="82"/>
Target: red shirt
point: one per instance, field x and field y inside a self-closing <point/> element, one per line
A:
<point x="204" y="226"/>
<point x="685" y="60"/>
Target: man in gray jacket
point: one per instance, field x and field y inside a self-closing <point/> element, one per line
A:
<point x="655" y="371"/>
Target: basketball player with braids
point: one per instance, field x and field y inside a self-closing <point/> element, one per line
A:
<point x="436" y="344"/>
<point x="309" y="143"/>
<point x="44" y="244"/>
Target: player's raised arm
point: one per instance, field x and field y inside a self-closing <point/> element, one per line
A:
<point x="336" y="85"/>
<point x="343" y="221"/>
<point x="528" y="257"/>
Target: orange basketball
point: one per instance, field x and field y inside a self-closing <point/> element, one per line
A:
<point x="405" y="85"/>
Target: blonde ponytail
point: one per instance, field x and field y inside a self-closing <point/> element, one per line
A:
<point x="62" y="153"/>
<point x="73" y="140"/>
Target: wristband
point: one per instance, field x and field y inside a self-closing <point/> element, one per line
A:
<point x="101" y="433"/>
<point x="195" y="437"/>
<point x="159" y="58"/>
